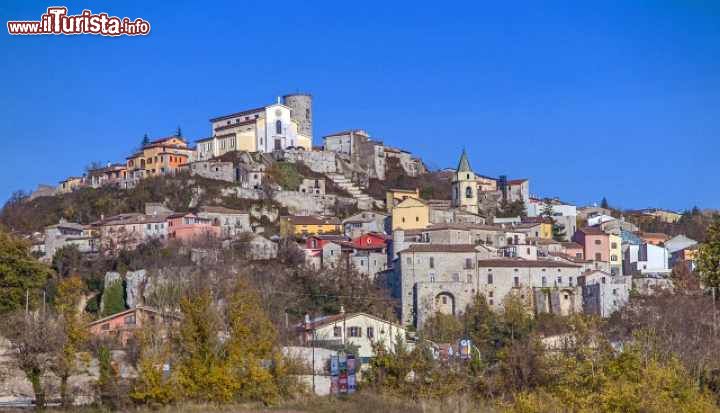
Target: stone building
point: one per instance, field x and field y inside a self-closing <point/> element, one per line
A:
<point x="366" y="222"/>
<point x="214" y="169"/>
<point x="231" y="221"/>
<point x="67" y="234"/>
<point x="446" y="278"/>
<point x="312" y="186"/>
<point x="603" y="293"/>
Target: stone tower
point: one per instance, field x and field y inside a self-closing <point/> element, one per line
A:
<point x="464" y="186"/>
<point x="301" y="111"/>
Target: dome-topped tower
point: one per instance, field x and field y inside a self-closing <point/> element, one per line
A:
<point x="464" y="186"/>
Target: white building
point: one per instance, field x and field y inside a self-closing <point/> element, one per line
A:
<point x="357" y="329"/>
<point x="264" y="129"/>
<point x="646" y="259"/>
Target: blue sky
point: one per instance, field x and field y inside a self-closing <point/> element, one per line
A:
<point x="618" y="100"/>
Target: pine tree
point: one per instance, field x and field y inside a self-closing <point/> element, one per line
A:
<point x="145" y="141"/>
<point x="113" y="298"/>
<point x="709" y="257"/>
<point x="604" y="203"/>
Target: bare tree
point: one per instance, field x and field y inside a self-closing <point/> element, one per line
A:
<point x="33" y="338"/>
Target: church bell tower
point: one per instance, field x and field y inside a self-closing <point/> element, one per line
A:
<point x="464" y="186"/>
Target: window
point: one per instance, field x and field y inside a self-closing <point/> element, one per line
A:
<point x="468" y="263"/>
<point x="417" y="219"/>
<point x="370" y="332"/>
<point x="490" y="302"/>
<point x="516" y="281"/>
<point x="129" y="320"/>
<point x="598" y="256"/>
<point x="432" y="262"/>
<point x="559" y="280"/>
<point x="354" y="331"/>
<point x="456" y="276"/>
<point x="598" y="242"/>
<point x="613" y="245"/>
<point x="490" y="294"/>
<point x="570" y="281"/>
<point x="105" y="327"/>
<point x="408" y="260"/>
<point x="468" y="192"/>
<point x="544" y="281"/>
<point x="444" y="299"/>
<point x="337" y="331"/>
<point x="307" y="114"/>
<point x="613" y="258"/>
<point x="490" y="279"/>
<point x="278" y="127"/>
<point x="602" y="280"/>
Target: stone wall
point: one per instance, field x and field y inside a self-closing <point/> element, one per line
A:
<point x="221" y="171"/>
<point x="317" y="161"/>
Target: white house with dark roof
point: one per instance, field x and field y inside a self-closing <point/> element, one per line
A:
<point x="361" y="330"/>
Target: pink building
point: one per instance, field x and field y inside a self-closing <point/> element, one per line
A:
<point x="188" y="226"/>
<point x="596" y="243"/>
<point x="573" y="249"/>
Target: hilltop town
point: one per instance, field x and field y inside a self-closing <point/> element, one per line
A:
<point x="415" y="246"/>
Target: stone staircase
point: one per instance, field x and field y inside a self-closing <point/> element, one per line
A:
<point x="364" y="201"/>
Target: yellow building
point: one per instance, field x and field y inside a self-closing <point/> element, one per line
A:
<point x="159" y="157"/>
<point x="70" y="184"/>
<point x="412" y="213"/>
<point x="664" y="215"/>
<point x="396" y="196"/>
<point x="615" y="254"/>
<point x="297" y="226"/>
<point x="546" y="230"/>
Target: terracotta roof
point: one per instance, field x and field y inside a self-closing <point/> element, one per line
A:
<point x="653" y="235"/>
<point x="310" y="220"/>
<point x="233" y="125"/>
<point x="440" y="248"/>
<point x="412" y="191"/>
<point x="516" y="181"/>
<point x="324" y="320"/>
<point x="592" y="231"/>
<point x="347" y="132"/>
<point x="520" y="263"/>
<point x="571" y="245"/>
<point x="236" y="114"/>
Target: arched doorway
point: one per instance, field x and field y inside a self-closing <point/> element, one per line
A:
<point x="445" y="303"/>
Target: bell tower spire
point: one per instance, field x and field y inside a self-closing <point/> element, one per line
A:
<point x="464" y="186"/>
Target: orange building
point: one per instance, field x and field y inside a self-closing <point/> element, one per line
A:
<point x="122" y="326"/>
<point x="159" y="157"/>
<point x="188" y="226"/>
<point x="654" y="238"/>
